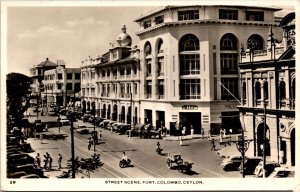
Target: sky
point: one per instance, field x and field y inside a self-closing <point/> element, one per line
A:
<point x="65" y="33"/>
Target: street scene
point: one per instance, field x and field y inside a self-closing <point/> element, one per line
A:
<point x="199" y="91"/>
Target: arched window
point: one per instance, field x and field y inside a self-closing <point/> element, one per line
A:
<point x="266" y="90"/>
<point x="147" y="49"/>
<point x="293" y="91"/>
<point x="255" y="42"/>
<point x="228" y="42"/>
<point x="257" y="90"/>
<point x="160" y="58"/>
<point x="189" y="42"/>
<point x="282" y="93"/>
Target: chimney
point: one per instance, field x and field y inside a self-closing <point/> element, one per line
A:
<point x="47" y="59"/>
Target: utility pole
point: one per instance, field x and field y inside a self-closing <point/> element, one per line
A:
<point x="72" y="142"/>
<point x="264" y="142"/>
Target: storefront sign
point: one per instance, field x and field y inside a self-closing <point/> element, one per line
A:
<point x="190" y="107"/>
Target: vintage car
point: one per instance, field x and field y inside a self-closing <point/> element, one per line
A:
<point x="231" y="163"/>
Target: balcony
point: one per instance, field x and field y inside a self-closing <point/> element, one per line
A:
<point x="189" y="97"/>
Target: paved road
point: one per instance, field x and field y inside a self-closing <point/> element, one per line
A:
<point x="146" y="163"/>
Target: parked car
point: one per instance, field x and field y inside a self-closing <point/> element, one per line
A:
<point x="52" y="112"/>
<point x="91" y="119"/>
<point x="110" y="125"/>
<point x="16" y="174"/>
<point x="64" y="121"/>
<point x="232" y="163"/>
<point x="63" y="111"/>
<point x="98" y="120"/>
<point x="30" y="169"/>
<point x="269" y="168"/>
<point x="280" y="172"/>
<point x="136" y="130"/>
<point x="29" y="176"/>
<point x="104" y="123"/>
<point x="122" y="128"/>
<point x="250" y="165"/>
<point x="39" y="126"/>
<point x="85" y="117"/>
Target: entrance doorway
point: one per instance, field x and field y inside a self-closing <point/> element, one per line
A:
<point x="293" y="147"/>
<point x="188" y="119"/>
<point x="148" y="116"/>
<point x="160" y="119"/>
<point x="261" y="139"/>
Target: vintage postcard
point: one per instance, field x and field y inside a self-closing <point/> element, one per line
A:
<point x="149" y="95"/>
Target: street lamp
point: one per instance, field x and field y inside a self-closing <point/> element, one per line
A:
<point x="230" y="131"/>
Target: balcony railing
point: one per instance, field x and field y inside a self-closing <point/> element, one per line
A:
<point x="189" y="97"/>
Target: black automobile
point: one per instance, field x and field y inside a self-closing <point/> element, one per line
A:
<point x="39" y="126"/>
<point x="123" y="128"/>
<point x="85" y="117"/>
<point x="63" y="111"/>
<point x="98" y="120"/>
<point x="136" y="130"/>
<point x="250" y="165"/>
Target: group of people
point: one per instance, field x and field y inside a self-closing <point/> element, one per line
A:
<point x="47" y="161"/>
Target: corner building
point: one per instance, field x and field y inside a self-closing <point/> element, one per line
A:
<point x="186" y="54"/>
<point x="268" y="82"/>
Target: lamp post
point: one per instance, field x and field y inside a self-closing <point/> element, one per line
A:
<point x="263" y="145"/>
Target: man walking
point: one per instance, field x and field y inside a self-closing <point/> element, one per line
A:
<point x="212" y="143"/>
<point x="38" y="160"/>
<point x="59" y="160"/>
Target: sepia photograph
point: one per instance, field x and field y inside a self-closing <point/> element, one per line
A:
<point x="148" y="95"/>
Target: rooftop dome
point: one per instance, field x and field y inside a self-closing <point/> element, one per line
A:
<point x="123" y="38"/>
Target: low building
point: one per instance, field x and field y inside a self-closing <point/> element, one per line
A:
<point x="268" y="82"/>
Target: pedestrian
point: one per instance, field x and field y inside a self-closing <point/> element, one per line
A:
<point x="221" y="135"/>
<point x="50" y="162"/>
<point x="202" y="133"/>
<point x="180" y="141"/>
<point x="59" y="160"/>
<point x="192" y="131"/>
<point x="212" y="143"/>
<point x="89" y="143"/>
<point x="38" y="160"/>
<point x="209" y="135"/>
<point x="100" y="135"/>
<point x="45" y="162"/>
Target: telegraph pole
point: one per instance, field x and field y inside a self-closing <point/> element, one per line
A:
<point x="72" y="142"/>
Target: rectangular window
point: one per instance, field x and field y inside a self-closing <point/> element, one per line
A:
<point x="255" y="16"/>
<point x="69" y="76"/>
<point x="228" y="14"/>
<point x="147" y="24"/>
<point x="77" y="75"/>
<point x="93" y="91"/>
<point x="77" y="87"/>
<point x="215" y="89"/>
<point x="160" y="66"/>
<point x="161" y="89"/>
<point x="59" y="76"/>
<point x="69" y="86"/>
<point x="159" y="19"/>
<point x="148" y="89"/>
<point x="148" y="68"/>
<point x="189" y="64"/>
<point x="190" y="89"/>
<point x="135" y="88"/>
<point x="188" y="15"/>
<point x="232" y="85"/>
<point x="59" y="86"/>
<point x="229" y="63"/>
<point x="92" y="75"/>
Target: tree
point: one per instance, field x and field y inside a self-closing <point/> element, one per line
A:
<point x="18" y="97"/>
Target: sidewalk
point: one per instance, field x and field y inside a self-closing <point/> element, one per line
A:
<point x="187" y="137"/>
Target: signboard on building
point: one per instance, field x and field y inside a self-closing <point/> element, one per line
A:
<point x="190" y="107"/>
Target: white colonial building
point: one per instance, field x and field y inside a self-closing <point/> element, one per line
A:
<point x="187" y="53"/>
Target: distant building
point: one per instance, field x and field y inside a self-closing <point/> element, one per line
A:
<point x="61" y="85"/>
<point x="37" y="75"/>
<point x="187" y="53"/>
<point x="268" y="82"/>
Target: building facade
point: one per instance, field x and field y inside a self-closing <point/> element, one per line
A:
<point x="110" y="82"/>
<point x="61" y="84"/>
<point x="188" y="54"/>
<point x="269" y="95"/>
